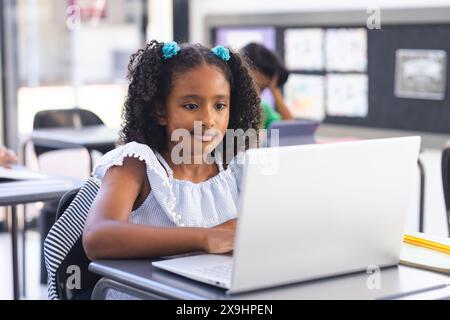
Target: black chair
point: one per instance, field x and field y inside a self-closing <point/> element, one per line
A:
<point x="63" y="118"/>
<point x="445" y="167"/>
<point x="422" y="196"/>
<point x="76" y="257"/>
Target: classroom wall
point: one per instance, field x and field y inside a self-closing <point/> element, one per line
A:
<point x="199" y="9"/>
<point x="160" y="25"/>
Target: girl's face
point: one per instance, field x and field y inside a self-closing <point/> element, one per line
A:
<point x="200" y="95"/>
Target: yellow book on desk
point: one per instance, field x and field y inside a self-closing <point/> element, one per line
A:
<point x="425" y="251"/>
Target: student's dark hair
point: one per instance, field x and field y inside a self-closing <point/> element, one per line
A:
<point x="151" y="77"/>
<point x="266" y="61"/>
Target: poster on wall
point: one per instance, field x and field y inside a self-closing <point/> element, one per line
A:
<point x="346" y="50"/>
<point x="304" y="49"/>
<point x="236" y="38"/>
<point x="304" y="95"/>
<point x="347" y="95"/>
<point x="420" y="74"/>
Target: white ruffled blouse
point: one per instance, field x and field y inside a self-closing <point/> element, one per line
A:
<point x="174" y="202"/>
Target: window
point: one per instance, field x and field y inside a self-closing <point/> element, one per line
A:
<point x="74" y="53"/>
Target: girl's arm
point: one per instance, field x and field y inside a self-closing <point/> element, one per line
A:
<point x="280" y="105"/>
<point x="108" y="234"/>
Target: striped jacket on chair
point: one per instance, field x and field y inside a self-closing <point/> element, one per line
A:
<point x="66" y="231"/>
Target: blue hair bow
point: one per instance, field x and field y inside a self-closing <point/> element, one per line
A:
<point x="221" y="52"/>
<point x="170" y="49"/>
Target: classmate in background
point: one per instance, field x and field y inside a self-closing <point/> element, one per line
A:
<point x="270" y="73"/>
<point x="148" y="203"/>
<point x="7" y="157"/>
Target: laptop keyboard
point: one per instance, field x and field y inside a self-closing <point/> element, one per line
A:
<point x="220" y="271"/>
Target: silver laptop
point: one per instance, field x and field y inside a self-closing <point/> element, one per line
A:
<point x="313" y="211"/>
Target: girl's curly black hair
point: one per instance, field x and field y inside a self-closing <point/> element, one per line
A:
<point x="151" y="77"/>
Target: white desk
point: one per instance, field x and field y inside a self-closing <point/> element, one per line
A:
<point x="28" y="191"/>
<point x="90" y="137"/>
<point x="140" y="278"/>
<point x="100" y="138"/>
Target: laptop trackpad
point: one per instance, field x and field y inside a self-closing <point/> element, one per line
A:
<point x="208" y="268"/>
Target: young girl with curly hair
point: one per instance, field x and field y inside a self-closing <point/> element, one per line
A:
<point x="150" y="204"/>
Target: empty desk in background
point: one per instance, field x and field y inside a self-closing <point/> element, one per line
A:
<point x="29" y="191"/>
<point x="100" y="138"/>
<point x="291" y="132"/>
<point x="139" y="278"/>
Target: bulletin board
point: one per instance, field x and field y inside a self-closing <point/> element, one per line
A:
<point x="387" y="110"/>
<point x="417" y="29"/>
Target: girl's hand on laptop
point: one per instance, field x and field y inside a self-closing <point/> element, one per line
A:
<point x="219" y="240"/>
